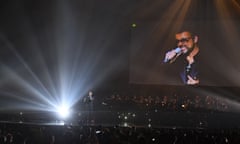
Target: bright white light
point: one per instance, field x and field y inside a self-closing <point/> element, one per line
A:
<point x="63" y="111"/>
<point x="149" y="125"/>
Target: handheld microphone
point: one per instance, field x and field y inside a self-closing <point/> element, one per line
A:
<point x="172" y="55"/>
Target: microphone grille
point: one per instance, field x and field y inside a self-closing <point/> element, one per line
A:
<point x="178" y="50"/>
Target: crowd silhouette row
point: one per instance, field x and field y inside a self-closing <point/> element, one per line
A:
<point x="172" y="102"/>
<point x="38" y="134"/>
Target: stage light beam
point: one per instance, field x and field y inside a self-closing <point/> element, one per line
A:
<point x="63" y="111"/>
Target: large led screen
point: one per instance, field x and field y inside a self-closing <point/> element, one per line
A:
<point x="218" y="55"/>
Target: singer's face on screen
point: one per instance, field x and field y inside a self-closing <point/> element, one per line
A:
<point x="185" y="41"/>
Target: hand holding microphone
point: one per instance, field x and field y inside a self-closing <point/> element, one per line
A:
<point x="171" y="56"/>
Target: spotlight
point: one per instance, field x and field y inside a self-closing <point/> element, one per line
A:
<point x="63" y="111"/>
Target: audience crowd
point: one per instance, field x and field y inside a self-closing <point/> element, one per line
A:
<point x="39" y="134"/>
<point x="169" y="102"/>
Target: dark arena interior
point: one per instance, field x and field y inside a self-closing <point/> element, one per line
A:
<point x="120" y="72"/>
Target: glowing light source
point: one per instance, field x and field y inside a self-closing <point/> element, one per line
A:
<point x="63" y="111"/>
<point x="134" y="25"/>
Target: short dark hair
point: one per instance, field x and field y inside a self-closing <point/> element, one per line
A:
<point x="192" y="33"/>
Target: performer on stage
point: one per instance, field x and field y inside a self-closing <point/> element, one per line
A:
<point x="187" y="52"/>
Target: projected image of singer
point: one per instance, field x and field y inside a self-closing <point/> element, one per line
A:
<point x="187" y="51"/>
